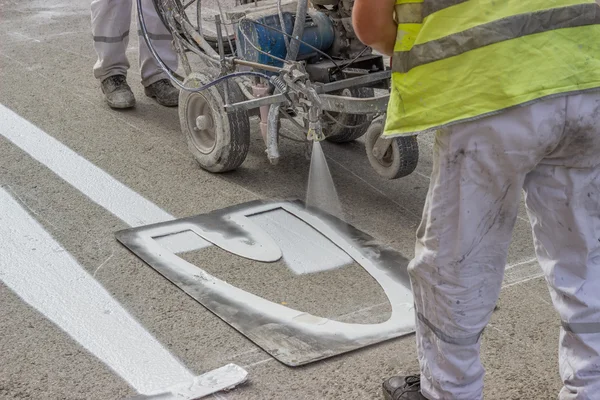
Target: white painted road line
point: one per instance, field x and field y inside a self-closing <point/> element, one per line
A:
<point x="93" y="182"/>
<point x="48" y="278"/>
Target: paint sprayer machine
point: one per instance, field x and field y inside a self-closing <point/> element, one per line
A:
<point x="299" y="67"/>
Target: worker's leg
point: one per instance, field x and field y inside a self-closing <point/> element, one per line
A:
<point x="161" y="40"/>
<point x="563" y="201"/>
<point x="110" y="29"/>
<point x="471" y="208"/>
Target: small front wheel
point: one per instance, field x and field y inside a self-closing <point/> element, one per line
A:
<point x="391" y="158"/>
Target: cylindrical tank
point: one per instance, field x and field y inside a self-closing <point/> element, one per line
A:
<point x="318" y="32"/>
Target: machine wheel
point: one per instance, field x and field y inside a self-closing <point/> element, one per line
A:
<point x="398" y="157"/>
<point x="218" y="140"/>
<point x="348" y="127"/>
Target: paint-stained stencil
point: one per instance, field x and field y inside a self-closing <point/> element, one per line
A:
<point x="310" y="242"/>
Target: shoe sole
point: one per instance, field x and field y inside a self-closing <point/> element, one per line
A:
<point x="386" y="395"/>
<point x="121" y="106"/>
<point x="162" y="103"/>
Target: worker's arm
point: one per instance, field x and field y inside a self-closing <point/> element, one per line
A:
<point x="374" y="24"/>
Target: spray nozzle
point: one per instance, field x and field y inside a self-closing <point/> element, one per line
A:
<point x="315" y="132"/>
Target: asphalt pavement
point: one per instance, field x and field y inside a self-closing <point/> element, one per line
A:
<point x="49" y="96"/>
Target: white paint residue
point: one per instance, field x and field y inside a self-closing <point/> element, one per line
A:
<point x="48" y="278"/>
<point x="96" y="184"/>
<point x="182" y="242"/>
<point x="305" y="250"/>
<point x="223" y="378"/>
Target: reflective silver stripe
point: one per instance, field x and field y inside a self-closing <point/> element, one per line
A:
<point x="111" y="39"/>
<point x="431" y="6"/>
<point x="581" y="327"/>
<point x="495" y="32"/>
<point x="466" y="341"/>
<point x="409" y="13"/>
<point x="155" y="36"/>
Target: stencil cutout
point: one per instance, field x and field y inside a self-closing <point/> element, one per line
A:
<point x="294" y="337"/>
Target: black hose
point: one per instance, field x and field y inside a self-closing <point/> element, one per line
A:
<point x="172" y="74"/>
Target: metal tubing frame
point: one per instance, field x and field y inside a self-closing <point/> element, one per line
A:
<point x="332" y="103"/>
<point x="222" y="55"/>
<point x="351" y="105"/>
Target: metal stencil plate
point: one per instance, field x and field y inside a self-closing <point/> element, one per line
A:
<point x="291" y="336"/>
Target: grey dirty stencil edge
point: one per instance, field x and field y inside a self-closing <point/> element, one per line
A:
<point x="291" y="336"/>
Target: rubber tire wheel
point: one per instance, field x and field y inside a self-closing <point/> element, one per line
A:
<point x="401" y="158"/>
<point x="231" y="130"/>
<point x="339" y="134"/>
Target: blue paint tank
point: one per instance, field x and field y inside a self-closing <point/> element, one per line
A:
<point x="318" y="32"/>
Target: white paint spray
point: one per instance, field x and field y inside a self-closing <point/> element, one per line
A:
<point x="321" y="191"/>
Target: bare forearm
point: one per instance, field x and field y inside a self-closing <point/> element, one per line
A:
<point x="374" y="24"/>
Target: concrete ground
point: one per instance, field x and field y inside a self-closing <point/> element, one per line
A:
<point x="46" y="59"/>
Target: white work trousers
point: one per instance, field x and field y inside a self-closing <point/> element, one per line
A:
<point x="111" y="20"/>
<point x="551" y="149"/>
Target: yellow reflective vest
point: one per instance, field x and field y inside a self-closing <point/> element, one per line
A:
<point x="459" y="60"/>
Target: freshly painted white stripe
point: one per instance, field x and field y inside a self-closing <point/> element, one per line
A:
<point x="47" y="277"/>
<point x="93" y="182"/>
<point x="223" y="378"/>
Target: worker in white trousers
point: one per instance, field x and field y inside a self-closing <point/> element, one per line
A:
<point x="551" y="149"/>
<point x="111" y="21"/>
<point x="511" y="91"/>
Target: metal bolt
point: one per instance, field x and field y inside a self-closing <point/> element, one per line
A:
<point x="203" y="123"/>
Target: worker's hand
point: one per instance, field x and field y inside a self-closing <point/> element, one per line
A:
<point x="374" y="24"/>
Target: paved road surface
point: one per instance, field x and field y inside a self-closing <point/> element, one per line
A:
<point x="72" y="172"/>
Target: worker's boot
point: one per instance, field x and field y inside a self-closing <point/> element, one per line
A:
<point x="117" y="92"/>
<point x="403" y="388"/>
<point x="164" y="93"/>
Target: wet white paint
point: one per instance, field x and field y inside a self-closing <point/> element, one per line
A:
<point x="49" y="279"/>
<point x="305" y="250"/>
<point x="93" y="182"/>
<point x="400" y="322"/>
<point x="182" y="242"/>
<point x="225" y="378"/>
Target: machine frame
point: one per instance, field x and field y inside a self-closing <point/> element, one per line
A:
<point x="215" y="103"/>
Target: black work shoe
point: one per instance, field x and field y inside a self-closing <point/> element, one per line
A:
<point x="117" y="92"/>
<point x="164" y="92"/>
<point x="403" y="388"/>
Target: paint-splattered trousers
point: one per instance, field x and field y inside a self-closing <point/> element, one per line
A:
<point x="111" y="20"/>
<point x="551" y="151"/>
